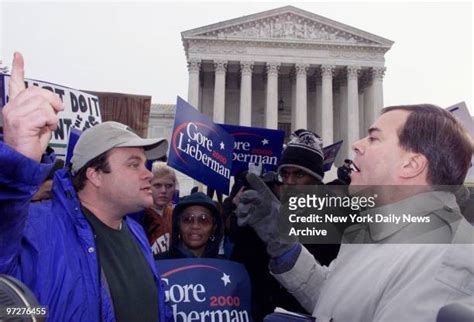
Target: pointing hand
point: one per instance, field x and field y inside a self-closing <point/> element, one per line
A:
<point x="30" y="115"/>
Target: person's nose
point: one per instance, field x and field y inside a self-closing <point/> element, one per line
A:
<point x="290" y="180"/>
<point x="358" y="147"/>
<point x="195" y="224"/>
<point x="147" y="174"/>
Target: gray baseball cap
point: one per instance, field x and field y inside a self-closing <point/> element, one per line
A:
<point x="107" y="135"/>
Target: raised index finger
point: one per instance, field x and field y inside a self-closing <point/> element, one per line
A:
<point x="17" y="78"/>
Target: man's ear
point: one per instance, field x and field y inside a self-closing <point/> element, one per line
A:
<point x="414" y="165"/>
<point x="94" y="176"/>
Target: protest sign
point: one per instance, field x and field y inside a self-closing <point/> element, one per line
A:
<point x="81" y="110"/>
<point x="461" y="113"/>
<point x="205" y="289"/>
<point x="200" y="148"/>
<point x="74" y="135"/>
<point x="330" y="152"/>
<point x="255" y="145"/>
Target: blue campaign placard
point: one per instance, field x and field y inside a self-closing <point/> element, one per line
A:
<point x="330" y="152"/>
<point x="255" y="145"/>
<point x="206" y="289"/>
<point x="200" y="148"/>
<point x="74" y="135"/>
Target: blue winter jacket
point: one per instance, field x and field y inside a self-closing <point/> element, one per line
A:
<point x="50" y="245"/>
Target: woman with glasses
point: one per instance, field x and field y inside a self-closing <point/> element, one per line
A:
<point x="197" y="228"/>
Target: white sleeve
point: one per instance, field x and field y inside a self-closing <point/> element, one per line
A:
<point x="305" y="279"/>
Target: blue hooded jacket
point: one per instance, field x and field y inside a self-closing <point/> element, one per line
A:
<point x="50" y="245"/>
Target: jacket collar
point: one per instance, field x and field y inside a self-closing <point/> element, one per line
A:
<point x="419" y="205"/>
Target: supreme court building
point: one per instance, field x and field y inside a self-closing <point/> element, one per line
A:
<point x="288" y="68"/>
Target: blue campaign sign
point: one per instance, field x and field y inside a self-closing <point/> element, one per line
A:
<point x="200" y="148"/>
<point x="255" y="145"/>
<point x="330" y="152"/>
<point x="205" y="289"/>
<point x="74" y="135"/>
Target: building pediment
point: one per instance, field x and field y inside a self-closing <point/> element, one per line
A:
<point x="287" y="24"/>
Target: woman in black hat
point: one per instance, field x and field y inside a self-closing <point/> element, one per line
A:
<point x="197" y="228"/>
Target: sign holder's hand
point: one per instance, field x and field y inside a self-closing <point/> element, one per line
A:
<point x="259" y="209"/>
<point x="30" y="116"/>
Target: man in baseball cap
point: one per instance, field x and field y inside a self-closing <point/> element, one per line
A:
<point x="79" y="252"/>
<point x="108" y="135"/>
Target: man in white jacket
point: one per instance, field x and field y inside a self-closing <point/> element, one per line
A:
<point x="387" y="272"/>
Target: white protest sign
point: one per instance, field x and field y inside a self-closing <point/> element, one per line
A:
<point x="81" y="110"/>
<point x="461" y="113"/>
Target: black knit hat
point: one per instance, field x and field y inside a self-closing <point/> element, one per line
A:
<point x="304" y="151"/>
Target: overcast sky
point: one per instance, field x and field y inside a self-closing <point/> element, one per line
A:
<point x="136" y="48"/>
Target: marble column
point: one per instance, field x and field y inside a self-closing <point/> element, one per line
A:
<point x="194" y="66"/>
<point x="293" y="100"/>
<point x="271" y="108"/>
<point x="374" y="95"/>
<point x="327" y="116"/>
<point x="369" y="103"/>
<point x="336" y="110"/>
<point x="343" y="116"/>
<point x="377" y="82"/>
<point x="362" y="127"/>
<point x="245" y="113"/>
<point x="362" y="86"/>
<point x="219" y="91"/>
<point x="352" y="106"/>
<point x="311" y="105"/>
<point x="301" y="117"/>
<point x="319" y="102"/>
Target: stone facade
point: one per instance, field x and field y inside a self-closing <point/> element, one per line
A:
<point x="286" y="68"/>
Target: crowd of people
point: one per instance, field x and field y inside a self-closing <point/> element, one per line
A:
<point x="73" y="245"/>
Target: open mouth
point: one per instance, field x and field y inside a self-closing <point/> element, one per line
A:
<point x="195" y="237"/>
<point x="354" y="167"/>
<point x="147" y="189"/>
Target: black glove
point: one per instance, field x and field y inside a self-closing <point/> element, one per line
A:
<point x="259" y="209"/>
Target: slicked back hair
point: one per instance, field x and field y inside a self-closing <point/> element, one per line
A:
<point x="435" y="133"/>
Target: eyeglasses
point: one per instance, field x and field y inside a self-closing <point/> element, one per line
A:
<point x="203" y="220"/>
